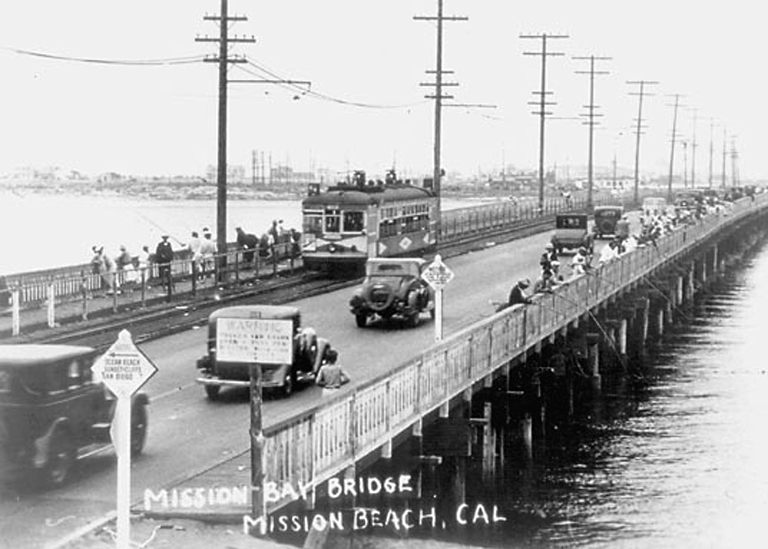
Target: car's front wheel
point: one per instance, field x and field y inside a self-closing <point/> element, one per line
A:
<point x="212" y="391"/>
<point x="61" y="457"/>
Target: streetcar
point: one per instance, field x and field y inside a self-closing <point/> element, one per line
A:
<point x="351" y="222"/>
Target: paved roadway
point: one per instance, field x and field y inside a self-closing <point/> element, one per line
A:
<point x="189" y="434"/>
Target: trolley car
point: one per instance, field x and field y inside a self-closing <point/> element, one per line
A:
<point x="348" y="223"/>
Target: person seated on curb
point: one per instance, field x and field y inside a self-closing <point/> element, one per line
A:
<point x="331" y="375"/>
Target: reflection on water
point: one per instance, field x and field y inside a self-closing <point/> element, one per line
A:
<point x="677" y="458"/>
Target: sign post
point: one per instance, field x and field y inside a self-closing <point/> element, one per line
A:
<point x="438" y="275"/>
<point x="123" y="369"/>
<point x="255" y="341"/>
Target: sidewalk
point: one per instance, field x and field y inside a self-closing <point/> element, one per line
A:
<point x="98" y="307"/>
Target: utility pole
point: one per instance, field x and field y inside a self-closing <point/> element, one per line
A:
<point x="223" y="59"/>
<point x="723" y="173"/>
<point x="734" y="163"/>
<point x="437" y="170"/>
<point x="253" y="168"/>
<point x="693" y="151"/>
<point x="711" y="148"/>
<point x="591" y="116"/>
<point x="641" y="94"/>
<point x="542" y="112"/>
<point x="672" y="150"/>
<point x="685" y="164"/>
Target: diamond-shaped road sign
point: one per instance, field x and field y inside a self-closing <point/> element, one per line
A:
<point x="123" y="368"/>
<point x="437" y="275"/>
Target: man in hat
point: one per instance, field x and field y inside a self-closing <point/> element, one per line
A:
<point x="516" y="295"/>
<point x="163" y="258"/>
<point x="548" y="257"/>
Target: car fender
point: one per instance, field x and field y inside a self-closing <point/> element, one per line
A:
<point x="43" y="443"/>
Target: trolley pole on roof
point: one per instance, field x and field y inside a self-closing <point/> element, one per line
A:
<point x="223" y="59"/>
<point x="542" y="112"/>
<point x="437" y="171"/>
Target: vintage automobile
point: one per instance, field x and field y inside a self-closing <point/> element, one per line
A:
<point x="654" y="205"/>
<point x="52" y="412"/>
<point x="606" y="218"/>
<point x="269" y="336"/>
<point x="689" y="199"/>
<point x="571" y="231"/>
<point x="393" y="287"/>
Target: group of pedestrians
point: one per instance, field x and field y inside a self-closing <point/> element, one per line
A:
<point x="267" y="244"/>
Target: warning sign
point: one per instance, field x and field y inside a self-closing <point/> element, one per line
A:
<point x="123" y="368"/>
<point x="254" y="340"/>
<point x="437" y="275"/>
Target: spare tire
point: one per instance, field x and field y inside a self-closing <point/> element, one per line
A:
<point x="606" y="227"/>
<point x="379" y="296"/>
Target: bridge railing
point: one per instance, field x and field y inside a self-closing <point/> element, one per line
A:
<point x="72" y="282"/>
<point x="335" y="433"/>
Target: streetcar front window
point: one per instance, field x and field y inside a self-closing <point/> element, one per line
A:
<point x="353" y="222"/>
<point x="332" y="222"/>
<point x="313" y="223"/>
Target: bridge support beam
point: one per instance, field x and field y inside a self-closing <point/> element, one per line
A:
<point x="593" y="363"/>
<point x="640" y="325"/>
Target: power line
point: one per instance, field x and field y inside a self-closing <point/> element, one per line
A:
<point x="127" y="62"/>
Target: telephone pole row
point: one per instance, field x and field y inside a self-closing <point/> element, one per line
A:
<point x="591" y="116"/>
<point x="672" y="150"/>
<point x="542" y="112"/>
<point x="438" y="97"/>
<point x="224" y="60"/>
<point x="642" y="93"/>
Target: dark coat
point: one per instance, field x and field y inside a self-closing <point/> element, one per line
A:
<point x="164" y="252"/>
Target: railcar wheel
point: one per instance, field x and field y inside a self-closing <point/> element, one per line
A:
<point x="212" y="391"/>
<point x="361" y="319"/>
<point x="61" y="456"/>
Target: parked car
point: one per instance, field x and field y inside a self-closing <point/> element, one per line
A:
<point x="655" y="205"/>
<point x="54" y="413"/>
<point x="272" y="335"/>
<point x="393" y="287"/>
<point x="571" y="231"/>
<point x="606" y="218"/>
<point x="689" y="199"/>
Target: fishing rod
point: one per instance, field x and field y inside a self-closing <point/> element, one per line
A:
<point x="161" y="229"/>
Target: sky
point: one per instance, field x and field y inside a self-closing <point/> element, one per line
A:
<point x="365" y="61"/>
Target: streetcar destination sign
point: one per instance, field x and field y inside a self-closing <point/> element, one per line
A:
<point x="123" y="368"/>
<point x="254" y="340"/>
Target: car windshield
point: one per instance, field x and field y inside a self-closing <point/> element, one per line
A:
<point x="392" y="269"/>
